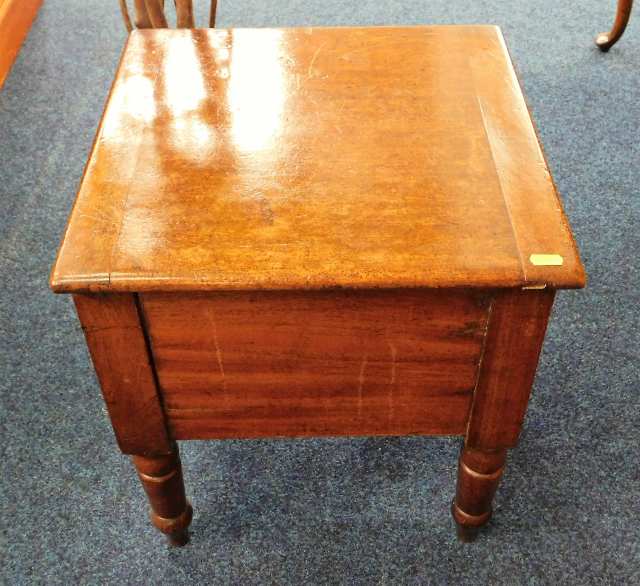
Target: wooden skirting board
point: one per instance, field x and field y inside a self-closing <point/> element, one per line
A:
<point x="16" y="17"/>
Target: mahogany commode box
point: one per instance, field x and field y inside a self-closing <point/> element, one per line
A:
<point x="316" y="232"/>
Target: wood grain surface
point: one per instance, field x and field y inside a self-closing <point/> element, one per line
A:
<point x="316" y="363"/>
<point x="16" y="17"/>
<point x="314" y="158"/>
<point x="515" y="333"/>
<point x="118" y="348"/>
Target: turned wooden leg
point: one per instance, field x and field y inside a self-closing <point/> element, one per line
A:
<point x="479" y="473"/>
<point x="607" y="40"/>
<point x="161" y="477"/>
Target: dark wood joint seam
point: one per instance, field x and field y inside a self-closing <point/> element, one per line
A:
<point x="487" y="325"/>
<point x="142" y="318"/>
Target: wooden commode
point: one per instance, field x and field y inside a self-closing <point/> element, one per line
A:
<point x="316" y="232"/>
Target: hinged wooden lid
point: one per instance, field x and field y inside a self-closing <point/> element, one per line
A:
<point x="317" y="157"/>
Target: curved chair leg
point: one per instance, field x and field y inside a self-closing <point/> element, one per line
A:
<point x="212" y="13"/>
<point x="607" y="40"/>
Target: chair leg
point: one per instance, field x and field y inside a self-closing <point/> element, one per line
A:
<point x="605" y="41"/>
<point x="212" y="13"/>
<point x="479" y="473"/>
<point x="155" y="10"/>
<point x="161" y="477"/>
<point x="142" y="19"/>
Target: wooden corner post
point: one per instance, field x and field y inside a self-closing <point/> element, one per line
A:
<point x="515" y="333"/>
<point x="113" y="329"/>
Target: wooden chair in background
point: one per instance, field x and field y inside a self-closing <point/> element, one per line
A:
<point x="150" y="14"/>
<point x="607" y="40"/>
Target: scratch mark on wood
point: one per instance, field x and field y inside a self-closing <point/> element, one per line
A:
<point x="394" y="355"/>
<point x="313" y="60"/>
<point x="95" y="329"/>
<point x="97" y="218"/>
<point x="216" y="344"/>
<point x="363" y="366"/>
<point x="392" y="381"/>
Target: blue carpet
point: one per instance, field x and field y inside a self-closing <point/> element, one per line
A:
<point x="362" y="511"/>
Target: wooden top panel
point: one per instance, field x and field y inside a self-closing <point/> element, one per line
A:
<point x="316" y="157"/>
